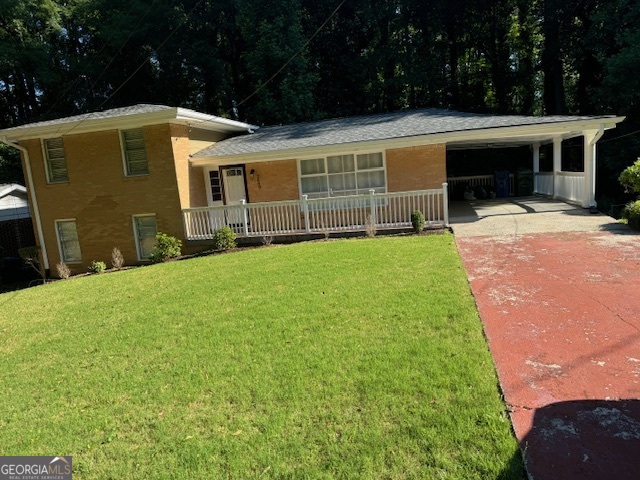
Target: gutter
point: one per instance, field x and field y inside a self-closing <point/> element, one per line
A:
<point x="34" y="200"/>
<point x="598" y="135"/>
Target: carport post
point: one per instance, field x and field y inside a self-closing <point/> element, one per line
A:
<point x="445" y="200"/>
<point x="591" y="138"/>
<point x="536" y="165"/>
<point x="557" y="165"/>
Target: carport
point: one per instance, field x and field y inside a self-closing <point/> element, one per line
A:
<point x="553" y="175"/>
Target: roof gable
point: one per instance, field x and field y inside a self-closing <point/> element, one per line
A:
<point x="126" y="117"/>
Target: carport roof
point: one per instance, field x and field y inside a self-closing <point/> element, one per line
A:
<point x="370" y="128"/>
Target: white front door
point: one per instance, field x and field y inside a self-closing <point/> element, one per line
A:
<point x="234" y="191"/>
<point x="234" y="187"/>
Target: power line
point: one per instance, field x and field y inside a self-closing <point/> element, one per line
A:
<point x="294" y="56"/>
<point x="133" y="30"/>
<point x="618" y="138"/>
<point x="73" y="83"/>
<point x="136" y="70"/>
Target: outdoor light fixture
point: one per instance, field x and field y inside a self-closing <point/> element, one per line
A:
<point x="252" y="173"/>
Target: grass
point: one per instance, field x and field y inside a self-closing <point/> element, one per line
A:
<point x="343" y="359"/>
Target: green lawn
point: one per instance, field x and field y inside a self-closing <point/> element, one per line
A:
<point x="356" y="358"/>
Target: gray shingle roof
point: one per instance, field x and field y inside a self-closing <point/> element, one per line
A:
<point x="113" y="112"/>
<point x="386" y="126"/>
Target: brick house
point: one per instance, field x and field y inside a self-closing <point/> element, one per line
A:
<point x="115" y="178"/>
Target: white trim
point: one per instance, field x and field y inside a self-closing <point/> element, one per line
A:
<point x="34" y="199"/>
<point x="135" y="233"/>
<point x="45" y="157"/>
<point x="207" y="185"/>
<point x="525" y="133"/>
<point x="174" y="115"/>
<point x="12" y="187"/>
<point x="60" y="251"/>
<point x="124" y="154"/>
<point x="355" y="159"/>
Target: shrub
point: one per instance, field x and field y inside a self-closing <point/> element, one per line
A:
<point x="31" y="257"/>
<point x="117" y="260"/>
<point x="370" y="227"/>
<point x="267" y="240"/>
<point x="630" y="178"/>
<point x="417" y="221"/>
<point x="64" y="272"/>
<point x="224" y="238"/>
<point x="166" y="247"/>
<point x="632" y="214"/>
<point x="97" y="267"/>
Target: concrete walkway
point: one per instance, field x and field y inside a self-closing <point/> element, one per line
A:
<point x="558" y="291"/>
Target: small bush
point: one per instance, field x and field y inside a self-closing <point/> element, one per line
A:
<point x="370" y="227"/>
<point x="97" y="267"/>
<point x="417" y="221"/>
<point x="117" y="260"/>
<point x="31" y="257"/>
<point x="632" y="214"/>
<point x="267" y="240"/>
<point x="64" y="272"/>
<point x="630" y="178"/>
<point x="166" y="247"/>
<point x="224" y="238"/>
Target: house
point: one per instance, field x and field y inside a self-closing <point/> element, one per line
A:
<point x="115" y="178"/>
<point x="16" y="229"/>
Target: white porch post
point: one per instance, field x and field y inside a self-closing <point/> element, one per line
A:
<point x="591" y="138"/>
<point x="557" y="165"/>
<point x="536" y="166"/>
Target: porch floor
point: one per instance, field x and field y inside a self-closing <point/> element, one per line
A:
<point x="524" y="215"/>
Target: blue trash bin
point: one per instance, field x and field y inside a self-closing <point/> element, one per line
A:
<point x="502" y="183"/>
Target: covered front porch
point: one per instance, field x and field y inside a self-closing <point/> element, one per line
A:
<point x="354" y="213"/>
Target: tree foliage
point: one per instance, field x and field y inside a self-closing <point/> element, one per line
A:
<point x="226" y="57"/>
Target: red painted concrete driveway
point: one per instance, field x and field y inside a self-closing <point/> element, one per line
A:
<point x="561" y="311"/>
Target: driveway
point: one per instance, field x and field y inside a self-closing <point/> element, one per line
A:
<point x="558" y="291"/>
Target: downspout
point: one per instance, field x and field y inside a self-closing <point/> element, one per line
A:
<point x="34" y="200"/>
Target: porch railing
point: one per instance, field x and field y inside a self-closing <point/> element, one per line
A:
<point x="481" y="181"/>
<point x="543" y="183"/>
<point x="570" y="185"/>
<point x="319" y="215"/>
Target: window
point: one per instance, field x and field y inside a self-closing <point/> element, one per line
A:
<point x="135" y="155"/>
<point x="145" y="229"/>
<point x="216" y="189"/>
<point x="341" y="175"/>
<point x="68" y="241"/>
<point x="55" y="160"/>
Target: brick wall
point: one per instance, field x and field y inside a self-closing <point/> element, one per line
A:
<point x="272" y="181"/>
<point x="102" y="199"/>
<point x="416" y="168"/>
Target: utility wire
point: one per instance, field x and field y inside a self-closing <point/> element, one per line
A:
<point x="73" y="83"/>
<point x="133" y="30"/>
<point x="294" y="56"/>
<point x="618" y="138"/>
<point x="136" y="70"/>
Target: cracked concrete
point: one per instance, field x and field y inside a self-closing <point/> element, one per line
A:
<point x="557" y="292"/>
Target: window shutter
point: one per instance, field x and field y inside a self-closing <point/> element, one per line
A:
<point x="56" y="160"/>
<point x="135" y="153"/>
